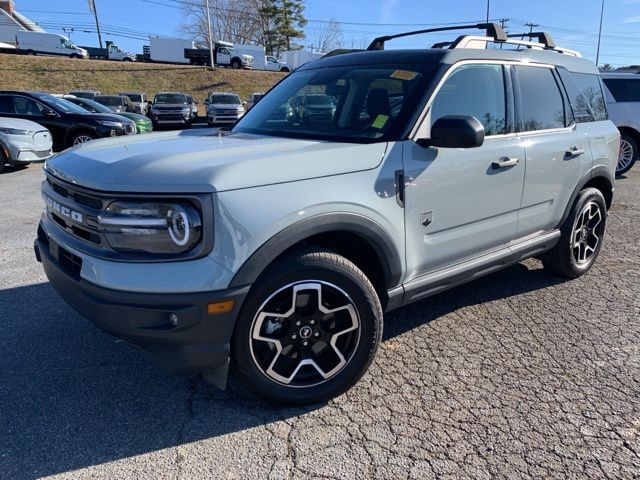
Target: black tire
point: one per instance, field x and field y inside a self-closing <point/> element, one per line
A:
<point x="235" y="63"/>
<point x="3" y="160"/>
<point x="629" y="147"/>
<point x="76" y="138"/>
<point x="30" y="52"/>
<point x="127" y="59"/>
<point x="284" y="69"/>
<point x="338" y="280"/>
<point x="563" y="260"/>
<point x="74" y="56"/>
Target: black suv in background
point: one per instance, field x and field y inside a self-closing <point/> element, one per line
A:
<point x="69" y="124"/>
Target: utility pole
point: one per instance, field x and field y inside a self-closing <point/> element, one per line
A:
<point x="92" y="9"/>
<point x="600" y="33"/>
<point x="488" y="3"/>
<point x="210" y="35"/>
<point x="531" y="26"/>
<point x="503" y="23"/>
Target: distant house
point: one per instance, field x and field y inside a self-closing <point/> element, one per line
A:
<point x="11" y="21"/>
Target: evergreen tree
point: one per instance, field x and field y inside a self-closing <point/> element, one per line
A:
<point x="286" y="21"/>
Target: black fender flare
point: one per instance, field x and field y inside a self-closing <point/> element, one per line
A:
<point x="384" y="246"/>
<point x="599" y="171"/>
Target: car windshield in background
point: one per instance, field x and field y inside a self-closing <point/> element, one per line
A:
<point x="134" y="98"/>
<point x="91" y="105"/>
<point x="110" y="101"/>
<point x="59" y="103"/>
<point x="360" y="103"/>
<point x="170" y="98"/>
<point x="225" y="99"/>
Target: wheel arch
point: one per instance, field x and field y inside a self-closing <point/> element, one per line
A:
<point x="359" y="239"/>
<point x="632" y="132"/>
<point x="600" y="178"/>
<point x="78" y="129"/>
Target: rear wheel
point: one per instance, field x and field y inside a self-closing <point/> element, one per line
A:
<point x="581" y="236"/>
<point x="628" y="154"/>
<point x="309" y="329"/>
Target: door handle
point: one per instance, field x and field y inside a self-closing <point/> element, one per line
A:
<point x="575" y="152"/>
<point x="505" y="162"/>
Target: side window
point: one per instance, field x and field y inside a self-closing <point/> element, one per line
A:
<point x="476" y="90"/>
<point x="5" y="104"/>
<point x="585" y="95"/>
<point x="542" y="104"/>
<point x="624" y="89"/>
<point x="26" y="106"/>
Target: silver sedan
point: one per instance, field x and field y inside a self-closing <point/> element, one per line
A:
<point x="23" y="141"/>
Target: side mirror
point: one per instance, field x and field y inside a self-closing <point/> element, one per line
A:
<point x="455" y="131"/>
<point x="49" y="113"/>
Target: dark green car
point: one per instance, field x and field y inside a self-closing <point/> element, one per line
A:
<point x="143" y="124"/>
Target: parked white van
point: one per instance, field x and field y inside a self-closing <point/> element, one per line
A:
<point x="41" y="43"/>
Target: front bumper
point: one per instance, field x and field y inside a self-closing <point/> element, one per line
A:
<point x="223" y="118"/>
<point x="199" y="341"/>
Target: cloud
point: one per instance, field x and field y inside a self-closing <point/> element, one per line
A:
<point x="387" y="8"/>
<point x="635" y="19"/>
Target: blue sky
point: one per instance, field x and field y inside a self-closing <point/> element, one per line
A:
<point x="573" y="23"/>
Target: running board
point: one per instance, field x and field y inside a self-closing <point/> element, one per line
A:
<point x="432" y="283"/>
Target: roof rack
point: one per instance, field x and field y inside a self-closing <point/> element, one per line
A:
<point x="542" y="37"/>
<point x="494" y="31"/>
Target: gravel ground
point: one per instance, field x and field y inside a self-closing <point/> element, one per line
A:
<point x="517" y="375"/>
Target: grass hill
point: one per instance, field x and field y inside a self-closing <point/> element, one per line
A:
<point x="61" y="75"/>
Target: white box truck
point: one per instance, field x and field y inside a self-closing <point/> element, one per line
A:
<point x="297" y="58"/>
<point x="169" y="50"/>
<point x="41" y="43"/>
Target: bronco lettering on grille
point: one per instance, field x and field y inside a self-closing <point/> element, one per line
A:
<point x="62" y="210"/>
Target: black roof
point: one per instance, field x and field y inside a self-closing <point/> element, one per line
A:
<point x="451" y="56"/>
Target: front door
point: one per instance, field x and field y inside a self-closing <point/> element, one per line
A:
<point x="460" y="203"/>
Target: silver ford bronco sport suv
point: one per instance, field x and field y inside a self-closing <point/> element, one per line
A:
<point x="276" y="247"/>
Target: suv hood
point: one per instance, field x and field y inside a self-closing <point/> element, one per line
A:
<point x="190" y="162"/>
<point x="21" y="124"/>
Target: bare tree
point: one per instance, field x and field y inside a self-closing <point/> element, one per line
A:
<point x="236" y="21"/>
<point x="328" y="37"/>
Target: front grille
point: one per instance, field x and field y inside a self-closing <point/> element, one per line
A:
<point x="87" y="205"/>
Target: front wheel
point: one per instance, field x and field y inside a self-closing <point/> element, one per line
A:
<point x="581" y="236"/>
<point x="628" y="154"/>
<point x="309" y="329"/>
<point x="82" y="137"/>
<point x="236" y="64"/>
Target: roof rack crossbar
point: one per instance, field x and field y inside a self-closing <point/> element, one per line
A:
<point x="542" y="37"/>
<point x="494" y="31"/>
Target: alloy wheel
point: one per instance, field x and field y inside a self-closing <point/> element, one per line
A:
<point x="626" y="155"/>
<point x="305" y="333"/>
<point x="82" y="139"/>
<point x="587" y="233"/>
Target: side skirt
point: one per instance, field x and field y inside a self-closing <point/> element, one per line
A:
<point x="440" y="280"/>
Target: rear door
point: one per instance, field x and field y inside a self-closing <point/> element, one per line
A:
<point x="457" y="203"/>
<point x="557" y="151"/>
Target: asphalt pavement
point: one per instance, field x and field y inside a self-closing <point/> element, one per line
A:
<point x="516" y="375"/>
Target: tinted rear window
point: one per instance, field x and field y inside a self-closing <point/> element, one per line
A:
<point x="624" y="89"/>
<point x="542" y="104"/>
<point x="585" y="95"/>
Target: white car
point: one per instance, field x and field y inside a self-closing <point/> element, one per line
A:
<point x="622" y="94"/>
<point x="23" y="141"/>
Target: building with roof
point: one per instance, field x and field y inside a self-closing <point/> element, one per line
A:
<point x="11" y="21"/>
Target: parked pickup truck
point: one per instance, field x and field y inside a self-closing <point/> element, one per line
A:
<point x="223" y="55"/>
<point x="112" y="52"/>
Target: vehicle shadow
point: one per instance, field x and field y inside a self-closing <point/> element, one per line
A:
<point x="72" y="396"/>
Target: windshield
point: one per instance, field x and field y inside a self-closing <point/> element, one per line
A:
<point x="224" y="99"/>
<point x="133" y="97"/>
<point x="90" y="105"/>
<point x="110" y="101"/>
<point x="170" y="98"/>
<point x="360" y="103"/>
<point x="59" y="104"/>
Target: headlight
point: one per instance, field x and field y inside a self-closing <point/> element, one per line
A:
<point x="186" y="110"/>
<point x="107" y="123"/>
<point x="161" y="228"/>
<point x="15" y="131"/>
